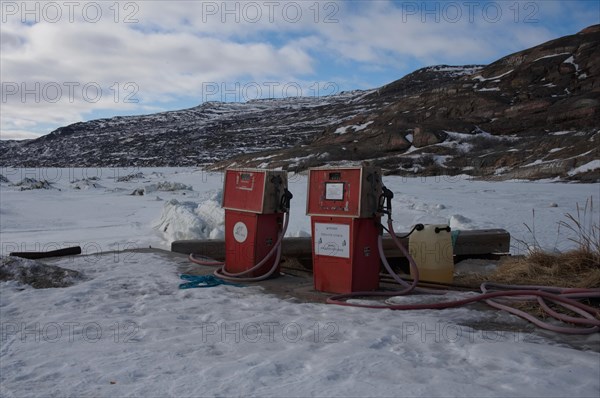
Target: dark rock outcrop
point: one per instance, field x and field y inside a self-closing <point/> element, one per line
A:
<point x="36" y="273"/>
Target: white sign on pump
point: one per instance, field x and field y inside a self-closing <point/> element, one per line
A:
<point x="334" y="191"/>
<point x="332" y="240"/>
<point x="240" y="232"/>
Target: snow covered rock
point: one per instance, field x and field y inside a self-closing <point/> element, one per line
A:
<point x="28" y="184"/>
<point x="86" y="183"/>
<point x="35" y="273"/>
<point x="129" y="177"/>
<point x="164" y="186"/>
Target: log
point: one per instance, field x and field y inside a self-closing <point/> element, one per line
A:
<point x="468" y="243"/>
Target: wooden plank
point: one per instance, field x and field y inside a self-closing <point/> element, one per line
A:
<point x="486" y="241"/>
<point x="474" y="242"/>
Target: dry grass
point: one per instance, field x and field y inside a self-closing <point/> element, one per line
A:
<point x="578" y="268"/>
<point x="585" y="227"/>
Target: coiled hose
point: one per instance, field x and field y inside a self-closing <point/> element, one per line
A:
<point x="239" y="276"/>
<point x="564" y="297"/>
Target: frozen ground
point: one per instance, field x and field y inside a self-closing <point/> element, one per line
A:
<point x="125" y="329"/>
<point x="94" y="207"/>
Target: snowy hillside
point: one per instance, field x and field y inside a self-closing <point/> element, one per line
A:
<point x="202" y="135"/>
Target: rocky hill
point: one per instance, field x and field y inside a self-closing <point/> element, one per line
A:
<point x="532" y="114"/>
<point x="202" y="135"/>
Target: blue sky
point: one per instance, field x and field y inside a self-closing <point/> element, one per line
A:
<point x="65" y="62"/>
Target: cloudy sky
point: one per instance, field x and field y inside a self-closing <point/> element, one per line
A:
<point x="68" y="61"/>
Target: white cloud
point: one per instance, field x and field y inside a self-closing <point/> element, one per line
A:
<point x="160" y="52"/>
<point x="17" y="135"/>
<point x="392" y="32"/>
<point x="46" y="66"/>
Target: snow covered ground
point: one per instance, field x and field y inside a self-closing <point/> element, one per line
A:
<point x="95" y="209"/>
<point x="127" y="330"/>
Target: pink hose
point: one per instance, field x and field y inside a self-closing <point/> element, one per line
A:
<point x="239" y="276"/>
<point x="562" y="296"/>
<point x="208" y="261"/>
<point x="223" y="274"/>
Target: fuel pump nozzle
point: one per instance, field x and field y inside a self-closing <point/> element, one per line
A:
<point x="385" y="201"/>
<point x="284" y="205"/>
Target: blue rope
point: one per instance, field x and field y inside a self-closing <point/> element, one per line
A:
<point x="195" y="281"/>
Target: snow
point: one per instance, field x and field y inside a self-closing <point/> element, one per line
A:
<point x="562" y="132"/>
<point x="298" y="160"/>
<point x="484" y="79"/>
<point x="551" y="56"/>
<point x="128" y="331"/>
<point x="534" y="163"/>
<point x="125" y="329"/>
<point x="539" y="162"/>
<point x="354" y="128"/>
<point x="110" y="218"/>
<point x="590" y="166"/>
<point x="489" y="89"/>
<point x="190" y="220"/>
<point x="441" y="160"/>
<point x="455" y="70"/>
<point x="479" y="134"/>
<point x="571" y="60"/>
<point x="264" y="157"/>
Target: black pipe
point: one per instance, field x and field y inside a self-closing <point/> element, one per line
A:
<point x="67" y="251"/>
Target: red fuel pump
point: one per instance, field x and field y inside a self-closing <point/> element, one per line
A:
<point x="343" y="204"/>
<point x="256" y="204"/>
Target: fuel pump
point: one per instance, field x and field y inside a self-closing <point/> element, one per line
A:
<point x="345" y="224"/>
<point x="256" y="203"/>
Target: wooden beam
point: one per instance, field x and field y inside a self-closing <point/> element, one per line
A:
<point x="474" y="242"/>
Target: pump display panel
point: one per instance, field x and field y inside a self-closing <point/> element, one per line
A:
<point x="347" y="191"/>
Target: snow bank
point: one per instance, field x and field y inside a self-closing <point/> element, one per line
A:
<point x="460" y="222"/>
<point x="190" y="220"/>
<point x="163" y="186"/>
